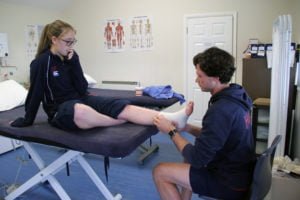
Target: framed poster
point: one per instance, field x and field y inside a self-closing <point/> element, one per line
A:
<point x="3" y="45"/>
<point x="141" y="37"/>
<point x="32" y="37"/>
<point x="114" y="35"/>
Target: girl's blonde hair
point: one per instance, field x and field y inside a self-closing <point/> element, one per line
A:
<point x="55" y="28"/>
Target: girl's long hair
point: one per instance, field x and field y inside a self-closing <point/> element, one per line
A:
<point x="55" y="28"/>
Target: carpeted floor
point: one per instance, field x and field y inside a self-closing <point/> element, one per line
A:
<point x="126" y="176"/>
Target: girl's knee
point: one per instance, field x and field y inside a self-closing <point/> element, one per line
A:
<point x="79" y="111"/>
<point x="127" y="108"/>
<point x="124" y="113"/>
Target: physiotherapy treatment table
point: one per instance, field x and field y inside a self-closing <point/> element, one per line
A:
<point x="114" y="141"/>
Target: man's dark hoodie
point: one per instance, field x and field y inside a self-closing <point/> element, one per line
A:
<point x="225" y="146"/>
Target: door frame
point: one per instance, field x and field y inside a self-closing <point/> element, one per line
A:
<point x="185" y="35"/>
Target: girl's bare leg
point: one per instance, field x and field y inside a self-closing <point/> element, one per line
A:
<point x="144" y="116"/>
<point x="138" y="115"/>
<point x="86" y="117"/>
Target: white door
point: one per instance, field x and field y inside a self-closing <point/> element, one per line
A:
<point x="202" y="32"/>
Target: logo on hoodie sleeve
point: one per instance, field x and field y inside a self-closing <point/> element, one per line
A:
<point x="247" y="119"/>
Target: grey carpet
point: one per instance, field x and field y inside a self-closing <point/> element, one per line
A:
<point x="126" y="176"/>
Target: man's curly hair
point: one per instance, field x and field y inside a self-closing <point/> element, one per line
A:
<point x="215" y="62"/>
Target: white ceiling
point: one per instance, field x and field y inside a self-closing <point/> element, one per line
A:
<point x="57" y="5"/>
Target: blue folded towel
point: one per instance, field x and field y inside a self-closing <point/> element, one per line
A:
<point x="163" y="92"/>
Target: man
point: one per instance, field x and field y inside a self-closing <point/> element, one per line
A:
<point x="220" y="162"/>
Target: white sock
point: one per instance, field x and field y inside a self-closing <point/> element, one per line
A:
<point x="179" y="117"/>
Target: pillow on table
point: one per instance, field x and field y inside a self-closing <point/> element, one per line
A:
<point x="12" y="94"/>
<point x="91" y="82"/>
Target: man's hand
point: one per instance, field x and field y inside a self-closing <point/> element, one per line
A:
<point x="164" y="125"/>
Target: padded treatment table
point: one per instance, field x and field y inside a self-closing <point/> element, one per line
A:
<point x="114" y="141"/>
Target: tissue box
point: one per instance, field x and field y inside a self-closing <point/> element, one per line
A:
<point x="285" y="186"/>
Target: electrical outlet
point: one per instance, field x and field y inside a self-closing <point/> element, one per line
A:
<point x="7" y="73"/>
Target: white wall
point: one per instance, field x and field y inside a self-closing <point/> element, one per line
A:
<point x="296" y="16"/>
<point x="13" y="21"/>
<point x="163" y="65"/>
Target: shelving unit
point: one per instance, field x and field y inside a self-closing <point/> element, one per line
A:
<point x="260" y="123"/>
<point x="257" y="82"/>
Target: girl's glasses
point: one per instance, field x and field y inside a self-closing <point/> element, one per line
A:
<point x="69" y="42"/>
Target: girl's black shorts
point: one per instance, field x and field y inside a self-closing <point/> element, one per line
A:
<point x="64" y="117"/>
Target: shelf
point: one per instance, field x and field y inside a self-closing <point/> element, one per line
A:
<point x="262" y="124"/>
<point x="7" y="66"/>
<point x="261" y="140"/>
<point x="262" y="102"/>
<point x="260" y="121"/>
<point x="260" y="147"/>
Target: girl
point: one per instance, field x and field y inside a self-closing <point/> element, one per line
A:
<point x="57" y="80"/>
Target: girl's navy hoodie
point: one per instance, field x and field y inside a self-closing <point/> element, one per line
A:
<point x="52" y="82"/>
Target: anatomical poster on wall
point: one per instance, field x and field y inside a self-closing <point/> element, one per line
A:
<point x="3" y="45"/>
<point x="114" y="35"/>
<point x="32" y="37"/>
<point x="141" y="37"/>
